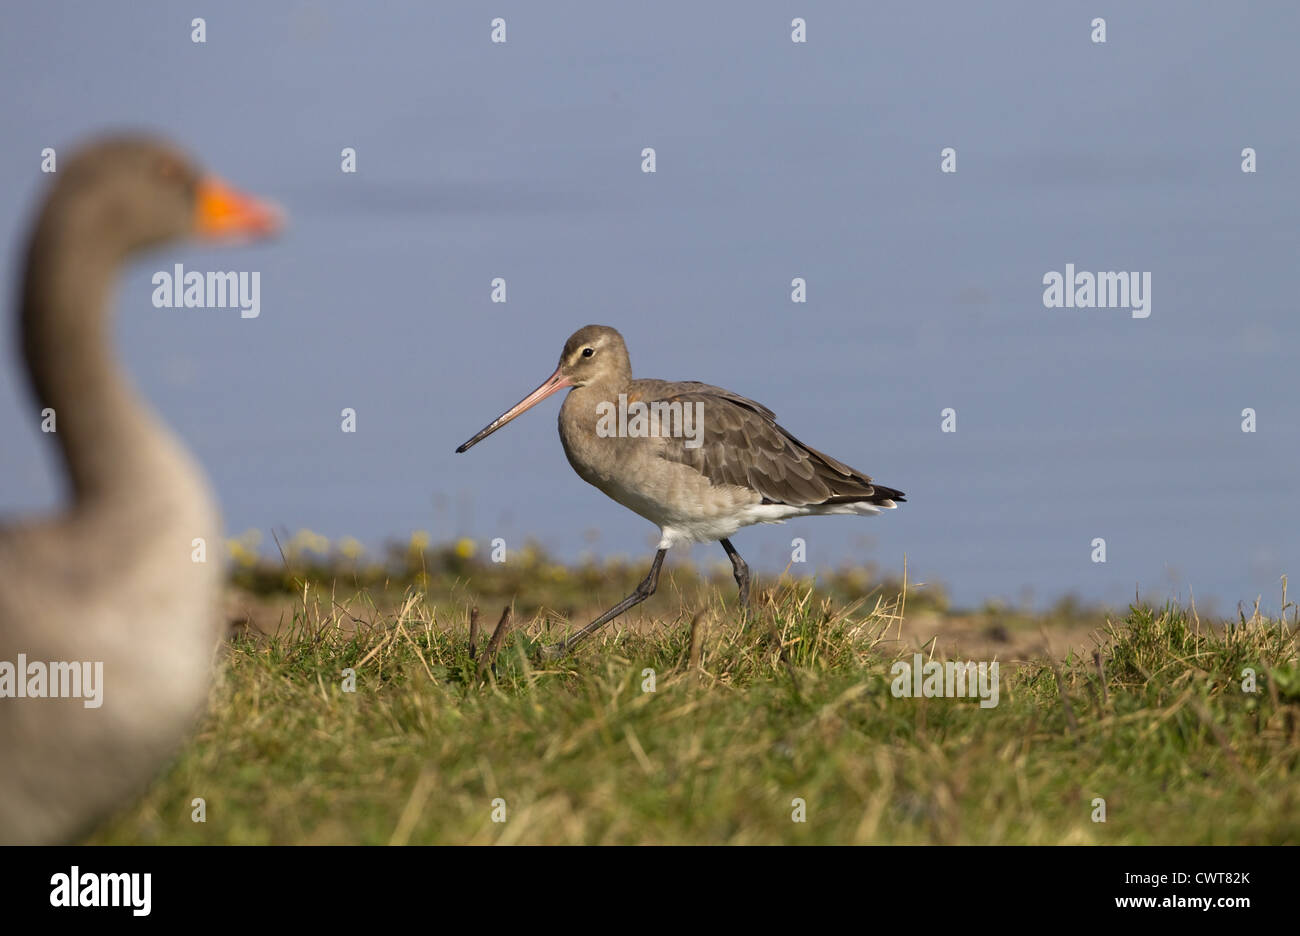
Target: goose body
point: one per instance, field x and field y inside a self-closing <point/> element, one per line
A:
<point x="114" y="581"/>
<point x="110" y="583"/>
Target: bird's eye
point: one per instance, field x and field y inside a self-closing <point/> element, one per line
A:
<point x="588" y="352"/>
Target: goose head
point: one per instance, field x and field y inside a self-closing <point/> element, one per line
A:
<point x="124" y="194"/>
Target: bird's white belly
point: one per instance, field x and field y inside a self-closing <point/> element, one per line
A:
<point x="685" y="506"/>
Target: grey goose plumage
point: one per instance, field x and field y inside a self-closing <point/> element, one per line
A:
<point x="110" y="578"/>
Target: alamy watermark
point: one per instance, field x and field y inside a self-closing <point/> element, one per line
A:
<point x="1085" y="290"/>
<point x="945" y="680"/>
<point x="641" y="420"/>
<point x="194" y="290"/>
<point x="54" y="680"/>
<point x="87" y="889"/>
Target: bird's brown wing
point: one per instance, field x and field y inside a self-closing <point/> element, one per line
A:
<point x="741" y="444"/>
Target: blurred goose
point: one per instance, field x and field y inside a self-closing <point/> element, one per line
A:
<point x="109" y="585"/>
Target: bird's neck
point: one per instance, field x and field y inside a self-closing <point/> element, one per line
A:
<point x="605" y="390"/>
<point x="110" y="441"/>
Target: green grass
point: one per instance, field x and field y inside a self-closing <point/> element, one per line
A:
<point x="794" y="702"/>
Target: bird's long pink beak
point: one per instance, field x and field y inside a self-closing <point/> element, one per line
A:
<point x="553" y="384"/>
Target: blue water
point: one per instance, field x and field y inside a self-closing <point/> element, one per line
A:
<point x="774" y="160"/>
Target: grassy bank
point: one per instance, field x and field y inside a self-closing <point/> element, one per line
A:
<point x="745" y="718"/>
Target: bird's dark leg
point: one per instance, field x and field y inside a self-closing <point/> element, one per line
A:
<point x="741" y="570"/>
<point x="642" y="592"/>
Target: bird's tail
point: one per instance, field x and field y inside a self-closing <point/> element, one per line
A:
<point x="880" y="496"/>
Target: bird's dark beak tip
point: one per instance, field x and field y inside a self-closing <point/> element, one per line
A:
<point x="461" y="448"/>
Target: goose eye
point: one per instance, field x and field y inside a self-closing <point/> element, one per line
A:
<point x="588" y="352"/>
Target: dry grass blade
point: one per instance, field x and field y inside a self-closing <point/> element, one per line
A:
<point x="473" y="632"/>
<point x="1071" y="722"/>
<point x="494" y="644"/>
<point x="1101" y="674"/>
<point x="783" y="654"/>
<point x="415" y="804"/>
<point x="697" y="642"/>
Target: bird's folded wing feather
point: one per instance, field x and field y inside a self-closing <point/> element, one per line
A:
<point x="741" y="444"/>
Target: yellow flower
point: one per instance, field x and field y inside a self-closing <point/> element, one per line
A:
<point x="311" y="541"/>
<point x="419" y="541"/>
<point x="465" y="547"/>
<point x="243" y="549"/>
<point x="351" y="547"/>
<point x="240" y="554"/>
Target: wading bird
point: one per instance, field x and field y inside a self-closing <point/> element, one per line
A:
<point x="698" y="461"/>
<point x="110" y="590"/>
